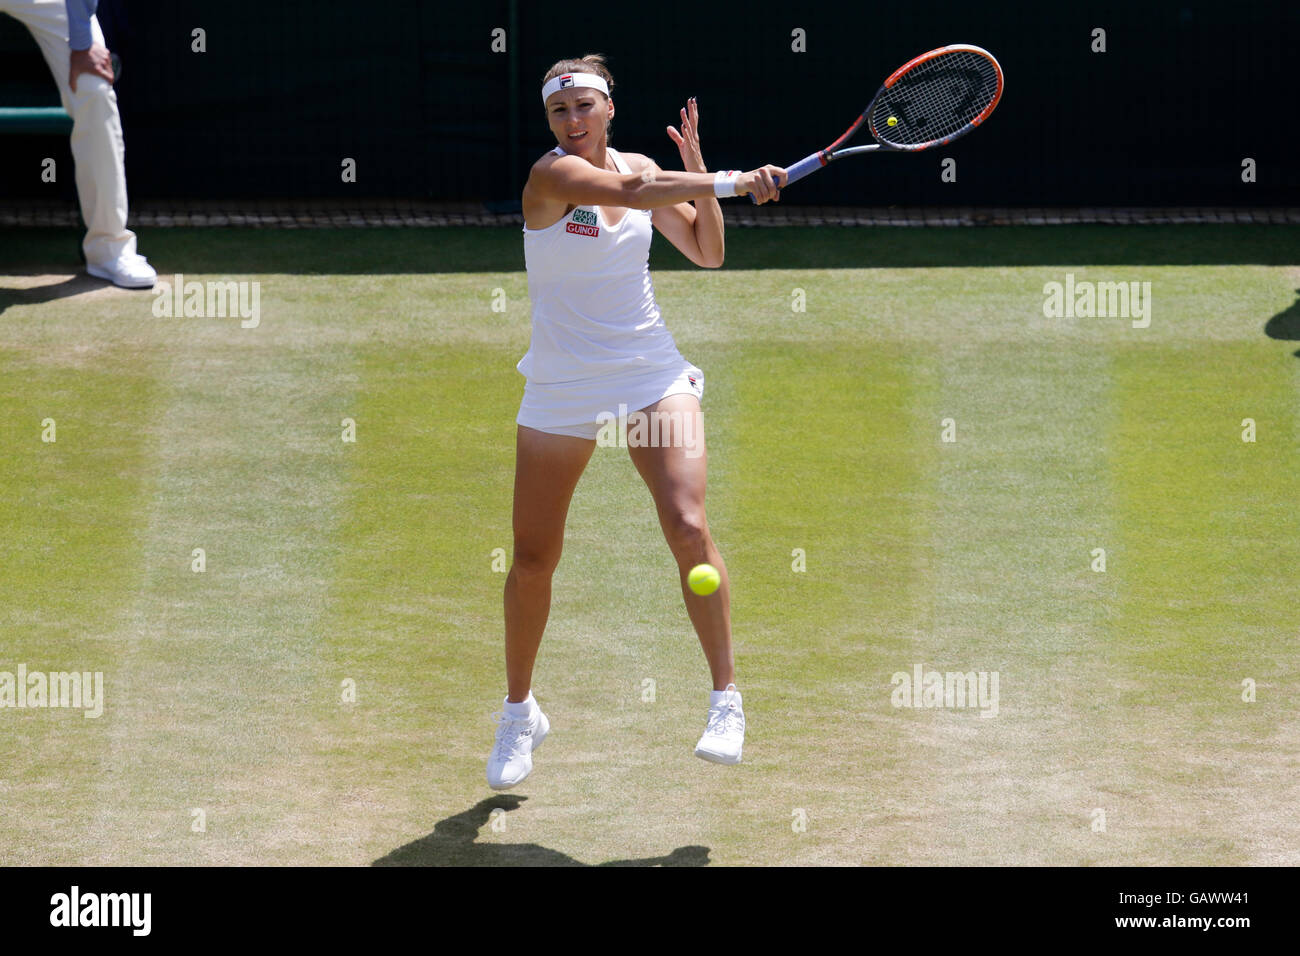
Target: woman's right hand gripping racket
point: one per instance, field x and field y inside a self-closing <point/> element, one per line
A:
<point x="930" y="100"/>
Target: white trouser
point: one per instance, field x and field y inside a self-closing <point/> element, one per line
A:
<point x="97" y="145"/>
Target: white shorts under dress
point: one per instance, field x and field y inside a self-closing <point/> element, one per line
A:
<point x="599" y="345"/>
<point x="554" y="411"/>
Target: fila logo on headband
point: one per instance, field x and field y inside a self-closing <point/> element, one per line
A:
<point x="567" y="81"/>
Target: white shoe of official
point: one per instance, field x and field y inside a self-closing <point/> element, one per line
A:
<point x="512" y="756"/>
<point x="724" y="738"/>
<point x="129" y="272"/>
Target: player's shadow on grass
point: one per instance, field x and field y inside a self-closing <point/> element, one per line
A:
<point x="454" y="842"/>
<point x="62" y="289"/>
<point x="1286" y="324"/>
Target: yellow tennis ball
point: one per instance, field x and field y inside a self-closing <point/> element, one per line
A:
<point x="704" y="579"/>
<point x="892" y="121"/>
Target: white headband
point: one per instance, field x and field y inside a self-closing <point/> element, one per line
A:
<point x="566" y="80"/>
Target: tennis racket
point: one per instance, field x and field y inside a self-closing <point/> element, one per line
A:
<point x="930" y="100"/>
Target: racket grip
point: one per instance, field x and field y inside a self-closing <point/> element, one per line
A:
<point x="799" y="170"/>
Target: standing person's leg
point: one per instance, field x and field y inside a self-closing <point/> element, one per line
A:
<point x="98" y="148"/>
<point x="676" y="473"/>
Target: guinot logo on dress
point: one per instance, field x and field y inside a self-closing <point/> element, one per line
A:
<point x="583" y="224"/>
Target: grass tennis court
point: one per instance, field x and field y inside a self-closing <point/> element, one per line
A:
<point x="372" y="562"/>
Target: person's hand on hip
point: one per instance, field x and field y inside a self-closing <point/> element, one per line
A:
<point x="96" y="60"/>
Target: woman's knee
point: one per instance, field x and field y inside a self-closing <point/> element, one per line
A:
<point x="536" y="558"/>
<point x="686" y="529"/>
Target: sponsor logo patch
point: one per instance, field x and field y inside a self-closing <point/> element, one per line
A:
<point x="583" y="224"/>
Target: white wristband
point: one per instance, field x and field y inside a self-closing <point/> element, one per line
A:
<point x="724" y="183"/>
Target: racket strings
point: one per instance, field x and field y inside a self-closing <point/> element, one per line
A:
<point x="935" y="99"/>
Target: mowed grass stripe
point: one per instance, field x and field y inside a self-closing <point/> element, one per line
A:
<point x="1019" y="502"/>
<point x="415" y="611"/>
<point x="219" y="667"/>
<point x="1210" y="539"/>
<point x="824" y="458"/>
<point x="71" y="514"/>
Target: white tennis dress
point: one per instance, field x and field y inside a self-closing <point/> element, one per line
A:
<point x="598" y="340"/>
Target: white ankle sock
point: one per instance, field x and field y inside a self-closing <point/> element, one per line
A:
<point x="521" y="709"/>
<point x="716" y="696"/>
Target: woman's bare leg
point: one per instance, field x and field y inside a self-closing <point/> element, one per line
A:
<point x="676" y="472"/>
<point x="547" y="469"/>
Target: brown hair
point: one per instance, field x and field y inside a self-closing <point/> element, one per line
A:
<point x="591" y="63"/>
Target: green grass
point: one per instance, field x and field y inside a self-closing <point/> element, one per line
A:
<point x="372" y="562"/>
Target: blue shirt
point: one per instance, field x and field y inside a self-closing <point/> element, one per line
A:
<point x="79" y="14"/>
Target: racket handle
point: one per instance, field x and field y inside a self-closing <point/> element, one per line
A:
<point x="799" y="170"/>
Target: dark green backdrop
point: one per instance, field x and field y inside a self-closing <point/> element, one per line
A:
<point x="414" y="93"/>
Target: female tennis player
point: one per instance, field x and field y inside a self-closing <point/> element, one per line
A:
<point x="600" y="348"/>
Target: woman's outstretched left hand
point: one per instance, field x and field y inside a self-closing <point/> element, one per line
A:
<point x="688" y="140"/>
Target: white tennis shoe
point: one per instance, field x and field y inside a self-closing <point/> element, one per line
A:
<point x="512" y="756"/>
<point x="724" y="738"/>
<point x="129" y="271"/>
